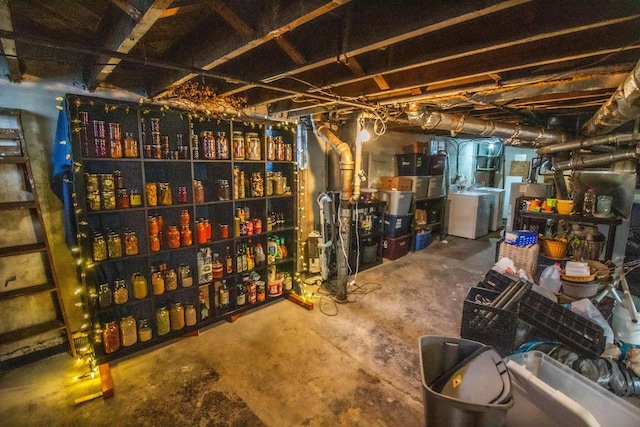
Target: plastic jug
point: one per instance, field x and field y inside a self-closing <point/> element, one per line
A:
<point x="550" y="278"/>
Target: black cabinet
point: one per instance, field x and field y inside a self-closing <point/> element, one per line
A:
<point x="194" y="191"/>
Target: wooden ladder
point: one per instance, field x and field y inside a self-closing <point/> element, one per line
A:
<point x="33" y="316"/>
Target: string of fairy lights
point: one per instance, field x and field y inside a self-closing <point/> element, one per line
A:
<point x="84" y="345"/>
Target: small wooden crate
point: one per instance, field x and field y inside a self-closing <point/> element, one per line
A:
<point x="524" y="257"/>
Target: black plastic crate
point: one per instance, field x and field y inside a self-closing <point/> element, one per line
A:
<point x="413" y="164"/>
<point x="492" y="326"/>
<point x="579" y="333"/>
<point x="497" y="281"/>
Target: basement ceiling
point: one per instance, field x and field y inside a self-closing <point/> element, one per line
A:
<point x="531" y="62"/>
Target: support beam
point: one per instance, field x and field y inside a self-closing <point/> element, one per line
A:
<point x="9" y="45"/>
<point x="230" y="17"/>
<point x="123" y="36"/>
<point x="290" y="50"/>
<point x="128" y="8"/>
<point x="179" y="10"/>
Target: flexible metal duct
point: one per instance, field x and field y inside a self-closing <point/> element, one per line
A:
<point x="623" y="106"/>
<point x="581" y="162"/>
<point x="510" y="133"/>
<point x="586" y="142"/>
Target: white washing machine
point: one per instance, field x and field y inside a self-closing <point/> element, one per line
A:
<point x="469" y="214"/>
<point x="497" y="206"/>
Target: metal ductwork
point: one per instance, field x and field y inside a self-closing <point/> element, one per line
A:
<point x="347" y="165"/>
<point x="622" y="107"/>
<point x="512" y="134"/>
<point x="579" y="161"/>
<point x="614" y="140"/>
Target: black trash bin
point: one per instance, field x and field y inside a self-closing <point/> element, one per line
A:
<point x="465" y="383"/>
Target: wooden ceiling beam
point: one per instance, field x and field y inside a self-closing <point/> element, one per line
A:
<point x="9" y="45"/>
<point x="123" y="36"/>
<point x="230" y="17"/>
<point x="290" y="50"/>
<point x="129" y="9"/>
<point x="179" y="10"/>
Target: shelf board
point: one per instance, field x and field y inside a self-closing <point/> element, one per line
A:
<point x="20" y="334"/>
<point x="13" y="159"/>
<point x="9" y="206"/>
<point x="112" y="159"/>
<point x="487" y="169"/>
<point x="614" y="220"/>
<point x="31" y="290"/>
<point x="10" y="133"/>
<point x="22" y="249"/>
<point x="119" y="211"/>
<point x="426" y="199"/>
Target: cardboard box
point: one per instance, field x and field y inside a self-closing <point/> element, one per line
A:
<point x="399" y="183"/>
<point x="417" y="147"/>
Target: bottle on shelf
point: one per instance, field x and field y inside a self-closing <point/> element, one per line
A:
<point x="250" y="258"/>
<point x="228" y="261"/>
<point x="589" y="203"/>
<point x="224" y="295"/>
<point x="217" y="269"/>
<point x="202" y="302"/>
<point x="245" y="261"/>
<point x="259" y="254"/>
<point x="239" y="254"/>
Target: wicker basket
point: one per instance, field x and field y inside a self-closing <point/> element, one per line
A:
<point x="524" y="257"/>
<point x="554" y="248"/>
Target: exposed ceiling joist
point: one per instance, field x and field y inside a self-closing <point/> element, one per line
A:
<point x="124" y="35"/>
<point x="129" y="9"/>
<point x="179" y="10"/>
<point x="9" y="45"/>
<point x="230" y="17"/>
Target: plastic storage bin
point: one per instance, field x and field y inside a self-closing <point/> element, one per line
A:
<point x="398" y="202"/>
<point x="423" y="239"/>
<point x="419" y="186"/>
<point x="412" y="164"/>
<point x="394" y="248"/>
<point x="564" y="398"/>
<point x="439" y="356"/>
<point x="397" y="225"/>
<point x="435" y="186"/>
<point x="437" y="164"/>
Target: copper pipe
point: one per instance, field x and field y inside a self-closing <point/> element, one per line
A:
<point x="622" y="107"/>
<point x="512" y="134"/>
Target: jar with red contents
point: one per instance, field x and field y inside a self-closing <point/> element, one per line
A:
<point x="122" y="202"/>
<point x="154" y="243"/>
<point x="185" y="218"/>
<point x="173" y="237"/>
<point x="153" y="226"/>
<point x="201" y="232"/>
<point x="207" y="227"/>
<point x="182" y="195"/>
<point x="186" y="236"/>
<point x="223" y="231"/>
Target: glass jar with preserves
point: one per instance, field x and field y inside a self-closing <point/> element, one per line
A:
<point x="271" y="148"/>
<point x="182" y="196"/>
<point x="100" y="147"/>
<point x="144" y="330"/>
<point x="99" y="246"/>
<point x="115" y="131"/>
<point x="257" y="185"/>
<point x="105" y="297"/>
<point x="223" y="231"/>
<point x="185" y="276"/>
<point x="164" y="191"/>
<point x="130" y="243"/>
<point x="288" y="152"/>
<point x="185" y="218"/>
<point x="201" y="232"/>
<point x="198" y="192"/>
<point x="222" y="146"/>
<point x="269" y="183"/>
<point x="190" y="317"/>
<point x="139" y="285"/>
<point x="154" y="243"/>
<point x="123" y="201"/>
<point x="130" y="145"/>
<point x="254" y="150"/>
<point x="157" y="281"/>
<point x="238" y="145"/>
<point x="111" y="337"/>
<point x="152" y="225"/>
<point x="114" y="245"/>
<point x="163" y="324"/>
<point x="207" y="227"/>
<point x="170" y="280"/>
<point x="176" y="316"/>
<point x="186" y="236"/>
<point x="120" y="292"/>
<point x="151" y="190"/>
<point x="217" y="269"/>
<point x="108" y="199"/>
<point x="135" y="199"/>
<point x="279" y="148"/>
<point x="173" y="237"/>
<point x="115" y="148"/>
<point x="128" y="331"/>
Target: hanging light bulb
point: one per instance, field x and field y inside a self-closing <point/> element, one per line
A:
<point x="363" y="135"/>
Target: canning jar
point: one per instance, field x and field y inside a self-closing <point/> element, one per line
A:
<point x="135" y="199"/>
<point x="186" y="236"/>
<point x="164" y="191"/>
<point x="100" y="147"/>
<point x="157" y="281"/>
<point x="198" y="192"/>
<point x="185" y="218"/>
<point x="115" y="148"/>
<point x="163" y="324"/>
<point x="122" y="201"/>
<point x="120" y="292"/>
<point x="271" y="149"/>
<point x="176" y="316"/>
<point x="130" y="145"/>
<point x="173" y="237"/>
<point x="128" y="331"/>
<point x="144" y="330"/>
<point x="151" y="190"/>
<point x="111" y="337"/>
<point x="152" y="225"/>
<point x="288" y="152"/>
<point x="114" y="245"/>
<point x="182" y="196"/>
<point x="170" y="280"/>
<point x="130" y="243"/>
<point x="254" y="150"/>
<point x="190" y="317"/>
<point x="99" y="245"/>
<point x="108" y="199"/>
<point x="105" y="297"/>
<point x="201" y="232"/>
<point x="154" y="243"/>
<point x="222" y="146"/>
<point x="185" y="276"/>
<point x="139" y="285"/>
<point x="238" y="145"/>
<point x="257" y="185"/>
<point x="223" y="231"/>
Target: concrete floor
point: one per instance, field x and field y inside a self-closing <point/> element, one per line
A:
<point x="350" y="364"/>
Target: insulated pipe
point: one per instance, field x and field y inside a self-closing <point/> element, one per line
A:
<point x="586" y="142"/>
<point x="623" y="106"/>
<point x="462" y="124"/>
<point x="581" y="162"/>
<point x="346" y="171"/>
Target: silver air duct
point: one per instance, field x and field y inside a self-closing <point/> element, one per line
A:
<point x="581" y="162"/>
<point x="512" y="134"/>
<point x="347" y="166"/>
<point x="623" y="106"/>
<point x="619" y="139"/>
